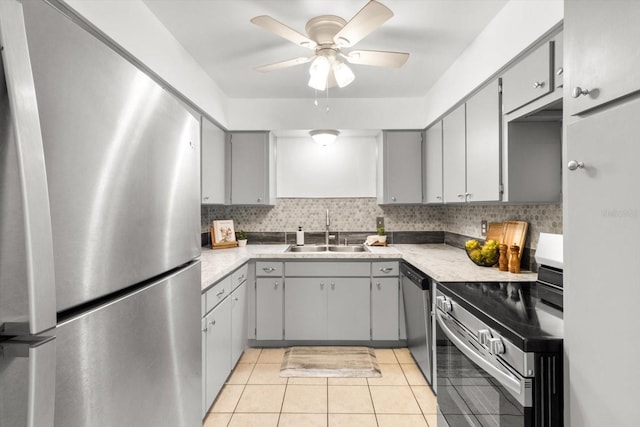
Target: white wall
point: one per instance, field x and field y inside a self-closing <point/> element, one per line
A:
<point x="347" y="168"/>
<point x="132" y="25"/>
<point x="344" y="113"/>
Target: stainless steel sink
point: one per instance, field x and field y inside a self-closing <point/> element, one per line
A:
<point x="331" y="248"/>
<point x="306" y="248"/>
<point x="348" y="248"/>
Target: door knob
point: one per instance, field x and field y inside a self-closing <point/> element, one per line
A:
<point x="573" y="165"/>
<point x="577" y="91"/>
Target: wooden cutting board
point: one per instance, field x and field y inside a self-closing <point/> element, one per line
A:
<point x="494" y="231"/>
<point x="514" y="232"/>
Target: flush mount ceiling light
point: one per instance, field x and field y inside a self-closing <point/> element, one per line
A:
<point x="324" y="137"/>
<point x="328" y="36"/>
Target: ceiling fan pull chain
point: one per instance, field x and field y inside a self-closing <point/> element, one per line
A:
<point x="327" y="99"/>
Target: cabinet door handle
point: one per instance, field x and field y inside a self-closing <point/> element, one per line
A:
<point x="468" y="195"/>
<point x="235" y="299"/>
<point x="212" y="322"/>
<point x="577" y="91"/>
<point x="460" y="195"/>
<point x="205" y="329"/>
<point x="275" y="285"/>
<point x="259" y="199"/>
<point x="573" y="165"/>
<point x="538" y="85"/>
<point x="333" y="286"/>
<point x="220" y="293"/>
<point x="378" y="286"/>
<point x="241" y="278"/>
<point x="205" y="198"/>
<point x="438" y="197"/>
<point x="268" y="269"/>
<point x="321" y="286"/>
<point x="393" y="199"/>
<point x="559" y="71"/>
<point x="386" y="269"/>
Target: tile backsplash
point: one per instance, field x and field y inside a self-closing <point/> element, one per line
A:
<point x="359" y="214"/>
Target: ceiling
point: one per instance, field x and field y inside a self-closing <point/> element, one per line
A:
<point x="219" y="36"/>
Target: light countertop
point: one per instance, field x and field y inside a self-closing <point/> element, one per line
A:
<point x="441" y="262"/>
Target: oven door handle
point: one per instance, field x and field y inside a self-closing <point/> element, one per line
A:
<point x="512" y="383"/>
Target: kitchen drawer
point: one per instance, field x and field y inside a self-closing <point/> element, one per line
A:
<point x="268" y="269"/>
<point x="239" y="276"/>
<point x="384" y="269"/>
<point x="218" y="292"/>
<point x="327" y="269"/>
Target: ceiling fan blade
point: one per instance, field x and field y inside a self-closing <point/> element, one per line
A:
<point x="278" y="28"/>
<point x="368" y="19"/>
<point x="284" y="64"/>
<point x="377" y="58"/>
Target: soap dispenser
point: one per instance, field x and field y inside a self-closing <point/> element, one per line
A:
<point x="300" y="237"/>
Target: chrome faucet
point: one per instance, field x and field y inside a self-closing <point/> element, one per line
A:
<point x="326" y="233"/>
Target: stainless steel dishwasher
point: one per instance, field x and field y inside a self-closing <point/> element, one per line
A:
<point x="416" y="291"/>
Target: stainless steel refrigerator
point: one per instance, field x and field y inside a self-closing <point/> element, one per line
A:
<point x="100" y="233"/>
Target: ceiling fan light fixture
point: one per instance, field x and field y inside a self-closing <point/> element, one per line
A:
<point x="324" y="137"/>
<point x="318" y="72"/>
<point x="343" y="74"/>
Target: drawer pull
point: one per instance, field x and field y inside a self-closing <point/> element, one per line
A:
<point x="241" y="278"/>
<point x="268" y="269"/>
<point x="220" y="293"/>
<point x="386" y="269"/>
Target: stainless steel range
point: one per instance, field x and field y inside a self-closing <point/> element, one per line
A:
<point x="498" y="354"/>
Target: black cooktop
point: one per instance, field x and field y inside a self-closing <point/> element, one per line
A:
<point x="514" y="310"/>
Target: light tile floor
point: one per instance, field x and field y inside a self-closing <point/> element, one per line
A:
<point x="256" y="395"/>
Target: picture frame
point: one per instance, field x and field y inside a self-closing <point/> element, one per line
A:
<point x="223" y="231"/>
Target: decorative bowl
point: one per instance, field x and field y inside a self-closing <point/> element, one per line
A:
<point x="481" y="260"/>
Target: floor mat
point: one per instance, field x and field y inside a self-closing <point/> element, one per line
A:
<point x="333" y="362"/>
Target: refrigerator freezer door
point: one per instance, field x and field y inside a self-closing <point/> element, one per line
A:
<point x="134" y="361"/>
<point x="122" y="158"/>
<point x="27" y="287"/>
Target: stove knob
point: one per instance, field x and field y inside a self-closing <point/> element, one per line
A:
<point x="484" y="336"/>
<point x="443" y="304"/>
<point x="496" y="346"/>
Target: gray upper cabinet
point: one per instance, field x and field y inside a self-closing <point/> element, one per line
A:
<point x="529" y="79"/>
<point x="252" y="173"/>
<point x="558" y="60"/>
<point x="400" y="168"/>
<point x="601" y="66"/>
<point x="213" y="164"/>
<point x="454" y="156"/>
<point x="432" y="163"/>
<point x="483" y="145"/>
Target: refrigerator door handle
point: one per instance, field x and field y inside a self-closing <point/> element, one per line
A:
<point x="24" y="142"/>
<point x="40" y="385"/>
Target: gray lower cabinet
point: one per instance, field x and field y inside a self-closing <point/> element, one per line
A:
<point x="269" y="300"/>
<point x="238" y="322"/>
<point x="321" y="308"/>
<point x="348" y="309"/>
<point x="224" y="332"/>
<point x="218" y="343"/>
<point x="385" y="316"/>
<point x="305" y="314"/>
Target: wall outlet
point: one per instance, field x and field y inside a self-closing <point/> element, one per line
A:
<point x="379" y="222"/>
<point x="483" y="227"/>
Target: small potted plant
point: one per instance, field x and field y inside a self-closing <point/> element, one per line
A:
<point x="382" y="238"/>
<point x="241" y="237"/>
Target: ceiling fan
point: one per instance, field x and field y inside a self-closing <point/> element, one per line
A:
<point x="328" y="36"/>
